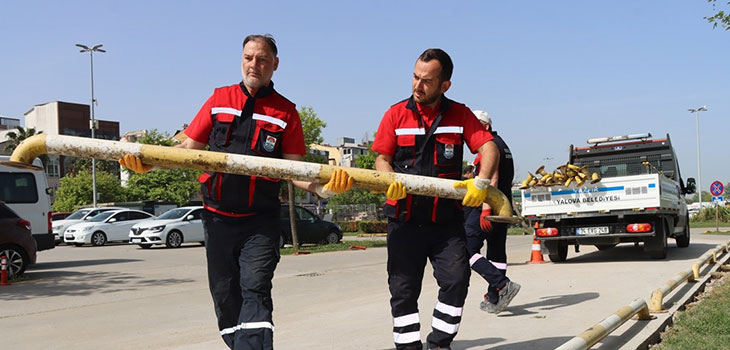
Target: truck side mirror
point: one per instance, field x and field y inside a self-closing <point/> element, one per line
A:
<point x="691" y="186"/>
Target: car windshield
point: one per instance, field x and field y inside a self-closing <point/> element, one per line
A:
<point x="78" y="214"/>
<point x="173" y="214"/>
<point x="101" y="216"/>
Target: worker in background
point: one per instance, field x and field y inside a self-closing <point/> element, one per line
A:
<point x="241" y="219"/>
<point x="467" y="174"/>
<point x="493" y="268"/>
<point x="425" y="135"/>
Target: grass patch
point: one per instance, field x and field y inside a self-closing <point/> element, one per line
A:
<point x="335" y="247"/>
<point x="518" y="231"/>
<point x="693" y="224"/>
<point x="704" y="326"/>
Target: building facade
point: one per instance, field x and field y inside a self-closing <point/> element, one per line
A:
<point x="66" y="118"/>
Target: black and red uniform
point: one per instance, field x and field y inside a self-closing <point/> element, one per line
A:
<point x="241" y="221"/>
<point x="494" y="268"/>
<point x="427" y="142"/>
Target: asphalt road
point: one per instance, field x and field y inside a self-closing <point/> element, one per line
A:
<point x="122" y="297"/>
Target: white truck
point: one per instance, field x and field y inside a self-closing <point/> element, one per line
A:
<point x="639" y="199"/>
<point x="26" y="192"/>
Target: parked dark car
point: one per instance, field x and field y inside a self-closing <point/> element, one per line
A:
<point x="16" y="241"/>
<point x="310" y="228"/>
<point x="59" y="215"/>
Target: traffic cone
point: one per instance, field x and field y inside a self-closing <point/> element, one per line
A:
<point x="4" y="271"/>
<point x="536" y="257"/>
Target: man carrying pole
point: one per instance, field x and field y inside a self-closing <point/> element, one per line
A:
<point x="242" y="218"/>
<point x="425" y="135"/>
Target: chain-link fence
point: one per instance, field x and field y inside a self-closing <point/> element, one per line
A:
<point x="357" y="212"/>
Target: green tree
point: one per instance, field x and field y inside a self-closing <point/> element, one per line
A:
<point x="75" y="190"/>
<point x="155" y="137"/>
<point x="312" y="126"/>
<point x="720" y="16"/>
<point x="168" y="185"/>
<point x="706" y="197"/>
<point x="20" y="134"/>
<point x="84" y="164"/>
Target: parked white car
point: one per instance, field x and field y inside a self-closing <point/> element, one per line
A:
<point x="105" y="227"/>
<point x="171" y="228"/>
<point x="81" y="215"/>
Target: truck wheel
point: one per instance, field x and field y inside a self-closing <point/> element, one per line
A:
<point x="557" y="251"/>
<point x="683" y="240"/>
<point x="657" y="246"/>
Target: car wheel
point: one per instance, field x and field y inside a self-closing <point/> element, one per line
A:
<point x="98" y="238"/>
<point x="683" y="240"/>
<point x="145" y="246"/>
<point x="282" y="241"/>
<point x="332" y="237"/>
<point x="557" y="251"/>
<point x="17" y="259"/>
<point x="174" y="239"/>
<point x="656" y="246"/>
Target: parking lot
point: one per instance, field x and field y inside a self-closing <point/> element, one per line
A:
<point x="124" y="297"/>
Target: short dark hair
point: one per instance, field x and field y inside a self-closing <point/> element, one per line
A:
<point x="447" y="66"/>
<point x="267" y="38"/>
<point x="468" y="169"/>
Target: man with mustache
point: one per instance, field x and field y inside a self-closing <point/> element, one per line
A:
<point x="425" y="135"/>
<point x="241" y="222"/>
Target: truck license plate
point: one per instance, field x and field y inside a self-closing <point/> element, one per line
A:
<point x="589" y="231"/>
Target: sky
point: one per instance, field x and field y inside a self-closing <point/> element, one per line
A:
<point x="550" y="73"/>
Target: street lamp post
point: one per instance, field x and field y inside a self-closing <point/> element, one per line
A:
<point x="92" y="124"/>
<point x="699" y="166"/>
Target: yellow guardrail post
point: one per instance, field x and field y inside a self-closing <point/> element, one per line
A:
<point x="657" y="297"/>
<point x="600" y="330"/>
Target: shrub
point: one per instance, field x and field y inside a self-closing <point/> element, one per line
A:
<point x="708" y="214"/>
<point x="373" y="226"/>
<point x="348" y="226"/>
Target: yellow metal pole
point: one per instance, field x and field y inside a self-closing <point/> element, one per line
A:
<point x="170" y="157"/>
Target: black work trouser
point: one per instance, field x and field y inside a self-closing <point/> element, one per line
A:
<point x="409" y="245"/>
<point x="494" y="268"/>
<point x="242" y="254"/>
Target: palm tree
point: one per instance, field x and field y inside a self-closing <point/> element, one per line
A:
<point x="16" y="137"/>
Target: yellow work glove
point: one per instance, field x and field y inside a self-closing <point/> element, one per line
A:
<point x="476" y="191"/>
<point x="339" y="182"/>
<point x="396" y="191"/>
<point x="133" y="163"/>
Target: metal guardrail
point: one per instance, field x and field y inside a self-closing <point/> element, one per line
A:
<point x="600" y="330"/>
<point x="709" y="257"/>
<point x="655" y="304"/>
<point x="595" y="334"/>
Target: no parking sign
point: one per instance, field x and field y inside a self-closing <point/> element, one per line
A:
<point x="717" y="188"/>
